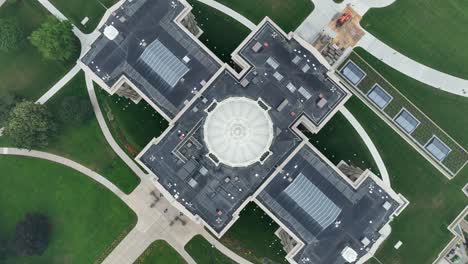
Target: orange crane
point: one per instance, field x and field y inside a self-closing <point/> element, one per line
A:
<point x="343" y="19"/>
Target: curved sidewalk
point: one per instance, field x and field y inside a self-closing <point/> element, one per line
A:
<point x="370" y="145"/>
<point x="228" y="11"/>
<point x="413" y="69"/>
<point x="67" y="162"/>
<point x="107" y="134"/>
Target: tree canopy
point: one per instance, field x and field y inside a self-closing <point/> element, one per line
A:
<point x="55" y="39"/>
<point x="32" y="235"/>
<point x="30" y="125"/>
<point x="11" y="34"/>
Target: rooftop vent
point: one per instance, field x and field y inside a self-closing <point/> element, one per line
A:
<point x="111" y="32"/>
<point x="349" y="254"/>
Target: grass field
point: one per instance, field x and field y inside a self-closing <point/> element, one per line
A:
<point x="86" y="218"/>
<point x="27" y="61"/>
<point x="204" y="253"/>
<point x="449" y="107"/>
<point x="288" y="14"/>
<point x="215" y="24"/>
<point x="132" y="125"/>
<point x="253" y="237"/>
<point x="85" y="143"/>
<point x="434" y="200"/>
<point x="455" y="159"/>
<point x="428" y="31"/>
<point x="76" y="11"/>
<point x="160" y="252"/>
<point x="355" y="153"/>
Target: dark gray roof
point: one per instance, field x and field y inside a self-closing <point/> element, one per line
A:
<point x="361" y="213"/>
<point x="143" y="25"/>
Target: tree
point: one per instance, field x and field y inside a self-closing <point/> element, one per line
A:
<point x="32" y="235"/>
<point x="30" y="125"/>
<point x="76" y="109"/>
<point x="55" y="39"/>
<point x="11" y="34"/>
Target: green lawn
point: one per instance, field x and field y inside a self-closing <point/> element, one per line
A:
<point x="424" y="131"/>
<point x="204" y="253"/>
<point x="27" y="61"/>
<point x="432" y="32"/>
<point x="85" y="143"/>
<point x="160" y="252"/>
<point x="434" y="200"/>
<point x="214" y="24"/>
<point x="132" y="125"/>
<point x="288" y="14"/>
<point x="87" y="219"/>
<point x="253" y="237"/>
<point x="449" y="107"/>
<point x="355" y="153"/>
<point x="76" y="11"/>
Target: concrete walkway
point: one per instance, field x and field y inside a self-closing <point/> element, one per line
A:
<point x="52" y="9"/>
<point x="61" y="83"/>
<point x="369" y="144"/>
<point x="107" y="134"/>
<point x="324" y="12"/>
<point x="228" y="11"/>
<point x="414" y="69"/>
<point x="2" y="2"/>
<point x="67" y="162"/>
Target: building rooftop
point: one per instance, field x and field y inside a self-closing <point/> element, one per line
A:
<point x="317" y="204"/>
<point x="231" y="133"/>
<point x="164" y="63"/>
<point x="215" y="196"/>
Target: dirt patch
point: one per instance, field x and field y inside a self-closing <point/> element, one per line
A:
<point x="348" y="34"/>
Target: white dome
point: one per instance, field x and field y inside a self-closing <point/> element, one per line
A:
<point x="238" y="131"/>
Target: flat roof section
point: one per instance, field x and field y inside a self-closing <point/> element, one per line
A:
<point x="407" y="121"/>
<point x="149" y="50"/>
<point x="437" y="148"/>
<point x="287" y="70"/>
<point x="342" y="216"/>
<point x="353" y="73"/>
<point x="180" y="157"/>
<point x="379" y="96"/>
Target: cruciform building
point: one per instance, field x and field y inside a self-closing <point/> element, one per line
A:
<point x="238" y="136"/>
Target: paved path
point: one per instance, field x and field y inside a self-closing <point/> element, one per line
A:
<point x="61" y="83"/>
<point x="324" y="12"/>
<point x="67" y="162"/>
<point x="413" y="68"/>
<point x="2" y="2"/>
<point x="107" y="134"/>
<point x="228" y="11"/>
<point x="370" y="145"/>
<point x="52" y="9"/>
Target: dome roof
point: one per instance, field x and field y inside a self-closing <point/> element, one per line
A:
<point x="238" y="131"/>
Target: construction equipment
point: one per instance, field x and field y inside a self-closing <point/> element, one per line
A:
<point x="343" y="19"/>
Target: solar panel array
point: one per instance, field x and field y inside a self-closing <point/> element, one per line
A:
<point x="313" y="201"/>
<point x="164" y="63"/>
<point x="407" y="121"/>
<point x="438" y="149"/>
<point x="353" y="73"/>
<point x="379" y="96"/>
